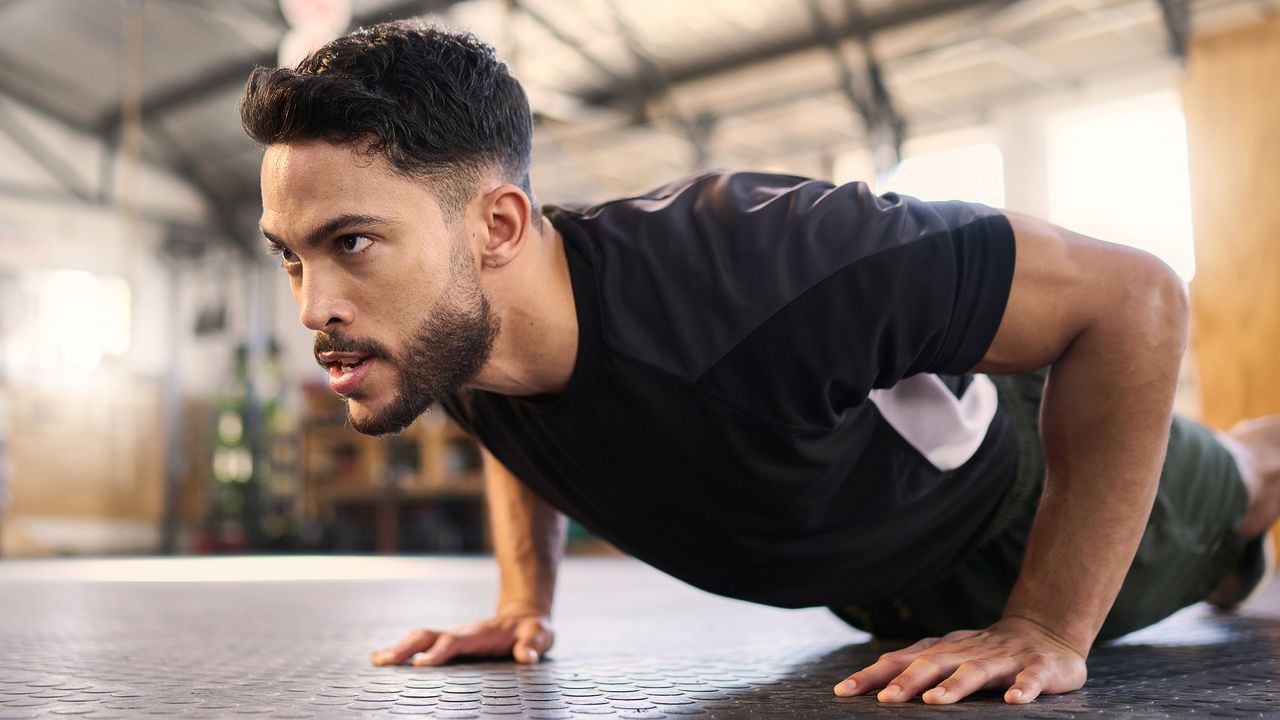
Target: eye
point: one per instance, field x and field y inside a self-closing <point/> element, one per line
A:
<point x="353" y="244"/>
<point x="285" y="254"/>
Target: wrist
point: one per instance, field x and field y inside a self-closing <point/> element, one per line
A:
<point x="523" y="608"/>
<point x="1078" y="640"/>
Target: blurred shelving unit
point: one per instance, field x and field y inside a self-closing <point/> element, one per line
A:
<point x="419" y="491"/>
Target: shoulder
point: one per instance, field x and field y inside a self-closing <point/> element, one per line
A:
<point x="686" y="270"/>
<point x="742" y="212"/>
<point x="717" y="194"/>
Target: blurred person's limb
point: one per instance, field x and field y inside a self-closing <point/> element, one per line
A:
<point x="1112" y="324"/>
<point x="528" y="544"/>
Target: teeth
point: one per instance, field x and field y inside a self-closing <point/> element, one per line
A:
<point x="345" y="366"/>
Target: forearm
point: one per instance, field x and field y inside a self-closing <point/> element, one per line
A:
<point x="528" y="542"/>
<point x="1104" y="428"/>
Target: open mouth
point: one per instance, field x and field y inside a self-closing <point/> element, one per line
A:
<point x="347" y="370"/>
<point x="347" y="367"/>
<point x="343" y="362"/>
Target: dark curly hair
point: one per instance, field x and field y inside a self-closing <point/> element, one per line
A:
<point x="436" y="104"/>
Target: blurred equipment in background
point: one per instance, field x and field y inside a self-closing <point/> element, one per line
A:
<point x="419" y="491"/>
<point x="253" y="500"/>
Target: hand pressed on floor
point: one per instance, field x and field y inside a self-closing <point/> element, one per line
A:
<point x="1016" y="655"/>
<point x="524" y="638"/>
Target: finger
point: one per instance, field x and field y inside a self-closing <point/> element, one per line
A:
<point x="911" y="651"/>
<point x="969" y="678"/>
<point x="414" y="642"/>
<point x="446" y="646"/>
<point x="921" y="674"/>
<point x="532" y="642"/>
<point x="874" y="676"/>
<point x="1026" y="686"/>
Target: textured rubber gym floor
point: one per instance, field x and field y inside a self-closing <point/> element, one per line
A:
<point x="291" y="637"/>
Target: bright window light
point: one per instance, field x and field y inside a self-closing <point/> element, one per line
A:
<point x="1118" y="172"/>
<point x="117" y="311"/>
<point x="81" y="318"/>
<point x="974" y="173"/>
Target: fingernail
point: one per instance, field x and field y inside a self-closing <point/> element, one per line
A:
<point x="1015" y="694"/>
<point x="846" y="688"/>
<point x="891" y="692"/>
<point x="382" y="658"/>
<point x="937" y="692"/>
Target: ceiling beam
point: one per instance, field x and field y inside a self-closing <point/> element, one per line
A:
<point x="234" y="73"/>
<point x="865" y="91"/>
<point x="559" y="35"/>
<point x="12" y="67"/>
<point x="1177" y="23"/>
<point x="20" y="191"/>
<point x="900" y="15"/>
<point x="220" y="208"/>
<point x="28" y="143"/>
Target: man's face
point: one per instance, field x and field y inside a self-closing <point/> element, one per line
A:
<point x="386" y="281"/>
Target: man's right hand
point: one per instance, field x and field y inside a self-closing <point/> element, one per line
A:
<point x="526" y="638"/>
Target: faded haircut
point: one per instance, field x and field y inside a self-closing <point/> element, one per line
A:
<point x="437" y="104"/>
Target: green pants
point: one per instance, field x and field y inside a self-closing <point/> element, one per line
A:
<point x="1190" y="543"/>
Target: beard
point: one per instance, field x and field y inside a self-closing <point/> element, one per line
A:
<point x="444" y="353"/>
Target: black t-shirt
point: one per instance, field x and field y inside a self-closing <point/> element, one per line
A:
<point x="769" y="399"/>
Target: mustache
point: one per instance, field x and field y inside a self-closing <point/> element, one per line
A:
<point x="329" y="342"/>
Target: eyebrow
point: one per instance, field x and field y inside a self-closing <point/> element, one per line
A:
<point x="332" y="227"/>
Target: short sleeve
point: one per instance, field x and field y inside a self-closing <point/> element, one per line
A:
<point x="926" y="295"/>
<point x="973" y="261"/>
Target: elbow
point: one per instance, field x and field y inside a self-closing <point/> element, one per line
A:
<point x="1161" y="306"/>
<point x="1174" y="302"/>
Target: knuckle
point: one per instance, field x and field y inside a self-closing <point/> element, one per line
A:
<point x="921" y="645"/>
<point x="923" y="664"/>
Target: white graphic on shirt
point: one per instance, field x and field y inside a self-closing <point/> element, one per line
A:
<point x="946" y="429"/>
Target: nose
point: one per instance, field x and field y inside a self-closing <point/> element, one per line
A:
<point x="321" y="305"/>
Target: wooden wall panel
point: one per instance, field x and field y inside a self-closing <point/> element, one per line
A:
<point x="1232" y="102"/>
<point x="89" y="454"/>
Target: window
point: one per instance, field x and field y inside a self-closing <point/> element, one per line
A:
<point x="970" y="172"/>
<point x="80" y="317"/>
<point x="1118" y="172"/>
<point x="974" y="173"/>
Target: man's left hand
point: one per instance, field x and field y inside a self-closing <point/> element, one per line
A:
<point x="1015" y="653"/>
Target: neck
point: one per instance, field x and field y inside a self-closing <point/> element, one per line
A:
<point x="537" y="342"/>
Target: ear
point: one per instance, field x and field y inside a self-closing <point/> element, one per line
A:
<point x="506" y="211"/>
